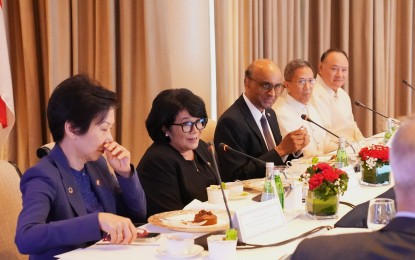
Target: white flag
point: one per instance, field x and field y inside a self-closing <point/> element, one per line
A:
<point x="7" y="116"/>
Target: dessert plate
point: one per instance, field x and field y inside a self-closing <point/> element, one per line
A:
<point x="179" y="220"/>
<point x="194" y="251"/>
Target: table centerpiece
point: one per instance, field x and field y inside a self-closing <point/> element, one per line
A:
<point x="375" y="165"/>
<point x="324" y="186"/>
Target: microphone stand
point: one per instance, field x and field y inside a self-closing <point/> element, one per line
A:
<point x="357" y="103"/>
<point x="407" y="84"/>
<point x="306" y="118"/>
<point x="226" y="147"/>
<point x="231" y="233"/>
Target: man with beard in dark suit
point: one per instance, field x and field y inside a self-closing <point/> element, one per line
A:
<point x="250" y="126"/>
<point x="394" y="241"/>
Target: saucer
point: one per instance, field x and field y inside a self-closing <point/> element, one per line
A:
<point x="195" y="250"/>
<point x="240" y="196"/>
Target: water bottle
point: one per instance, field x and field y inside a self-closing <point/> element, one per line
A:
<point x="279" y="186"/>
<point x="269" y="184"/>
<point x="389" y="130"/>
<point x="341" y="157"/>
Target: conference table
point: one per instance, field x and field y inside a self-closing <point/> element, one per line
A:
<point x="297" y="223"/>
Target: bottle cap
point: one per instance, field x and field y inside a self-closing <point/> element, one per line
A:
<point x="269" y="164"/>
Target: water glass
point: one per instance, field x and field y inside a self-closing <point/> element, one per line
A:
<point x="381" y="211"/>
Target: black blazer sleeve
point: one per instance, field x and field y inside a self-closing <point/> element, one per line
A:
<point x="238" y="129"/>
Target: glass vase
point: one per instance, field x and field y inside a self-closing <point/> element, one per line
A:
<point x="318" y="208"/>
<point x="377" y="176"/>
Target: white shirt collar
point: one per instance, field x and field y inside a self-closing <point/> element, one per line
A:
<point x="298" y="106"/>
<point x="407" y="214"/>
<point x="329" y="90"/>
<point x="254" y="110"/>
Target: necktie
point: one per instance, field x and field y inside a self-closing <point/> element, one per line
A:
<point x="267" y="133"/>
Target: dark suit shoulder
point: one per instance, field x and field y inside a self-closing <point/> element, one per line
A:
<point x="370" y="245"/>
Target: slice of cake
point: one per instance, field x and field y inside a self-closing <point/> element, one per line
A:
<point x="208" y="216"/>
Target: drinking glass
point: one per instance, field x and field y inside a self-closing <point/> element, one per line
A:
<point x="381" y="211"/>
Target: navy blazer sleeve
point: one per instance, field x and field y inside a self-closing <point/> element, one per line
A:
<point x="54" y="219"/>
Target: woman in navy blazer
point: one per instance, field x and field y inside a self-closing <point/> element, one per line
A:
<point x="70" y="197"/>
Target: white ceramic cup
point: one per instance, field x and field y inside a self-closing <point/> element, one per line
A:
<point x="235" y="188"/>
<point x="296" y="168"/>
<point x="221" y="249"/>
<point x="179" y="244"/>
<point x="215" y="195"/>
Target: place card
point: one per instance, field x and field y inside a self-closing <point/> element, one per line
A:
<point x="258" y="218"/>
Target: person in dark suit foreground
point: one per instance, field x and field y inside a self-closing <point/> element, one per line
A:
<point x="245" y="124"/>
<point x="397" y="239"/>
<point x="70" y="198"/>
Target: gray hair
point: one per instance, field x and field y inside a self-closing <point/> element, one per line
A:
<point x="293" y="65"/>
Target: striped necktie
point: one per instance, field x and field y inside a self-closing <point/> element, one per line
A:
<point x="267" y="133"/>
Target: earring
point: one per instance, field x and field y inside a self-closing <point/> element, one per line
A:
<point x="166" y="134"/>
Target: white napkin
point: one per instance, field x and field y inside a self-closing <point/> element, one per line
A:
<point x="198" y="205"/>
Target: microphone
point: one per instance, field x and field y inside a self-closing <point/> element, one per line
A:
<point x="226" y="147"/>
<point x="231" y="232"/>
<point x="407" y="84"/>
<point x="357" y="103"/>
<point x="306" y="118"/>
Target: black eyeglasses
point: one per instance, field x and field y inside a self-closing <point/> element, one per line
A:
<point x="278" y="88"/>
<point x="199" y="124"/>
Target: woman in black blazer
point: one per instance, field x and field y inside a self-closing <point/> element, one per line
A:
<point x="177" y="167"/>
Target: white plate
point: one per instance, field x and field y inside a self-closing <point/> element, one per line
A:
<point x="196" y="249"/>
<point x="241" y="196"/>
<point x="176" y="220"/>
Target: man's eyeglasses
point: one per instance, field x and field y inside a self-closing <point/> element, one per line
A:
<point x="278" y="88"/>
<point x="302" y="82"/>
<point x="199" y="124"/>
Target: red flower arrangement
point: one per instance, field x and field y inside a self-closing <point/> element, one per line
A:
<point x="325" y="181"/>
<point x="374" y="156"/>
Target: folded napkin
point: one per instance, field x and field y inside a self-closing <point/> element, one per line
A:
<point x="198" y="205"/>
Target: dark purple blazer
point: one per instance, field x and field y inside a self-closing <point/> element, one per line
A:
<point x="54" y="219"/>
<point x="395" y="241"/>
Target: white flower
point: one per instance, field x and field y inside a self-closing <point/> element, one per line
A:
<point x="371" y="162"/>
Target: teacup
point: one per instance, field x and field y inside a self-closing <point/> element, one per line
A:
<point x="215" y="194"/>
<point x="180" y="244"/>
<point x="296" y="167"/>
<point x="235" y="188"/>
<point x="220" y="248"/>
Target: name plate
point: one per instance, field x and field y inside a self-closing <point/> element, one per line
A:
<point x="258" y="218"/>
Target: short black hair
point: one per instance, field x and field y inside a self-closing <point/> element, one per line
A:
<point x="326" y="53"/>
<point x="293" y="65"/>
<point x="166" y="106"/>
<point x="78" y="100"/>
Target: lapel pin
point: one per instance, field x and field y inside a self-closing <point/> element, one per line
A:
<point x="98" y="182"/>
<point x="208" y="163"/>
<point x="268" y="114"/>
<point x="70" y="190"/>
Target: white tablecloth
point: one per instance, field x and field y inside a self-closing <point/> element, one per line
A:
<point x="294" y="227"/>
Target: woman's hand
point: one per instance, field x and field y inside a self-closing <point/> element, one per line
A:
<point x="120" y="229"/>
<point x="119" y="158"/>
